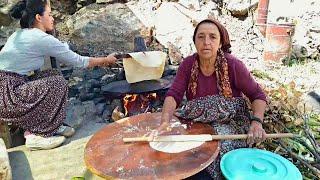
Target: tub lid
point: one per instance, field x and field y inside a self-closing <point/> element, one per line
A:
<point x="248" y="163"/>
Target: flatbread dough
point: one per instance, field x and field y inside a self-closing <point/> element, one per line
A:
<point x="175" y="147"/>
<point x="179" y="146"/>
<point x="144" y="66"/>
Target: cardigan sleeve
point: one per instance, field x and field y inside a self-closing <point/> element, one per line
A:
<point x="181" y="81"/>
<point x="53" y="47"/>
<point x="246" y="83"/>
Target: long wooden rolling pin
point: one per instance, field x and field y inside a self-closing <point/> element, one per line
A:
<point x="200" y="137"/>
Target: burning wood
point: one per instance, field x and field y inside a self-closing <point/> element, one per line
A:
<point x="117" y="114"/>
<point x="138" y="103"/>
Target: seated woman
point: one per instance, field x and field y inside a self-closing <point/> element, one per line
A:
<point x="37" y="103"/>
<point x="214" y="82"/>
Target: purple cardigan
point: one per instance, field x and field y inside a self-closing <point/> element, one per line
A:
<point x="240" y="79"/>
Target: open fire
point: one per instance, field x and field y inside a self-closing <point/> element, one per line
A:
<point x="139" y="103"/>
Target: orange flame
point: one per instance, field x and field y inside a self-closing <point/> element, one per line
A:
<point x="130" y="101"/>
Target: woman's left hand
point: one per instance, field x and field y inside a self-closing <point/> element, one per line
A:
<point x="256" y="133"/>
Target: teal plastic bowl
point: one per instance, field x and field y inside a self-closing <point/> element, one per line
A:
<point x="256" y="164"/>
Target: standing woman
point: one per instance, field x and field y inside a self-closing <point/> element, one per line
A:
<point x="33" y="101"/>
<point x="214" y="82"/>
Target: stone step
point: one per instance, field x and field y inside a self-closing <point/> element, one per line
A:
<point x="61" y="163"/>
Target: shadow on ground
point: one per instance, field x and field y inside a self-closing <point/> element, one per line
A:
<point x="23" y="166"/>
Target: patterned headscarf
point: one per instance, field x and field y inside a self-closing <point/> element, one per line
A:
<point x="221" y="64"/>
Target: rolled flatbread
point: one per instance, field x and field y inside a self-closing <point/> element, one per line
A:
<point x="175" y="147"/>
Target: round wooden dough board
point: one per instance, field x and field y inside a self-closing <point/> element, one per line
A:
<point x="106" y="155"/>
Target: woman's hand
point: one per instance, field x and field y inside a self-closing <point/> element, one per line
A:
<point x="256" y="133"/>
<point x="169" y="106"/>
<point x="164" y="127"/>
<point x="110" y="59"/>
<point x="102" y="61"/>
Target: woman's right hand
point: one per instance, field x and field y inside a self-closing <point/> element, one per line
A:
<point x="102" y="61"/>
<point x="110" y="59"/>
<point x="163" y="128"/>
<point x="169" y="106"/>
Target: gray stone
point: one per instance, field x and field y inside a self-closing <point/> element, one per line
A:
<point x="78" y="113"/>
<point x="95" y="73"/>
<point x="103" y="1"/>
<point x="94" y="83"/>
<point x="103" y="29"/>
<point x="117" y="103"/>
<point x="82" y="3"/>
<point x="90" y="107"/>
<point x="107" y="112"/>
<point x="100" y="120"/>
<point x="96" y="91"/>
<point x="75" y="115"/>
<point x="6" y="31"/>
<point x="63" y="6"/>
<point x="87" y="96"/>
<point x="3" y="3"/>
<point x="312" y="100"/>
<point x="85" y="92"/>
<point x="77" y="72"/>
<point x="108" y="78"/>
<point x="100" y="108"/>
<point x="99" y="100"/>
<point x="121" y="75"/>
<point x="5" y="6"/>
<point x="241" y="7"/>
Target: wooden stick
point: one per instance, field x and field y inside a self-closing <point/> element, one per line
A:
<point x="245" y="136"/>
<point x="138" y="139"/>
<point x="200" y="137"/>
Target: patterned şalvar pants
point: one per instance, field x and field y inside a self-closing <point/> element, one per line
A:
<point x="226" y="116"/>
<point x="35" y="103"/>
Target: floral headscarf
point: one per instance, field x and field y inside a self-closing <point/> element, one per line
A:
<point x="221" y="64"/>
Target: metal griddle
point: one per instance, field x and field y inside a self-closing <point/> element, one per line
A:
<point x="123" y="87"/>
